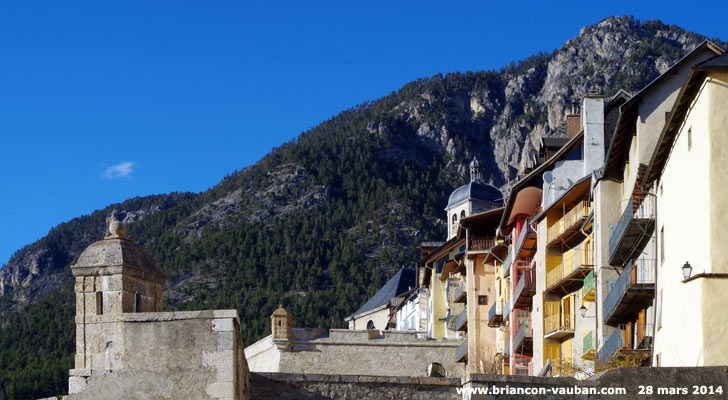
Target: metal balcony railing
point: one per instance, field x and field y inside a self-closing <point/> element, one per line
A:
<point x="461" y="353"/>
<point x="460" y="294"/>
<point x="507" y="310"/>
<point x="526" y="232"/>
<point x="525" y="288"/>
<point x="507" y="263"/>
<point x="495" y="314"/>
<point x="627" y="337"/>
<point x="628" y="236"/>
<point x="569" y="222"/>
<point x="481" y="243"/>
<point x="638" y="272"/>
<point x="523" y="341"/>
<point x="461" y="321"/>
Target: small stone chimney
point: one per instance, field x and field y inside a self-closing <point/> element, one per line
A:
<point x="573" y="125"/>
<point x="281" y="322"/>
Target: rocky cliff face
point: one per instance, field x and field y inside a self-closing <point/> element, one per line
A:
<point x="42" y="266"/>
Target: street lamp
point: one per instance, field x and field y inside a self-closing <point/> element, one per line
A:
<point x="582" y="311"/>
<point x="687" y="269"/>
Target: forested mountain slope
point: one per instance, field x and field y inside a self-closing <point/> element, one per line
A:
<point x="322" y="222"/>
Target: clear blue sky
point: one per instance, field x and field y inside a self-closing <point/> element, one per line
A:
<point x="103" y="101"/>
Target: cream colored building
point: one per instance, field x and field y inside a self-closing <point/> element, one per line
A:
<point x="625" y="248"/>
<point x="688" y="173"/>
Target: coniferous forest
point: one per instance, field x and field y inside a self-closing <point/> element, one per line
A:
<point x="321" y="222"/>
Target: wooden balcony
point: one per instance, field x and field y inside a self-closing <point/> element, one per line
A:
<point x="628" y="341"/>
<point x="631" y="234"/>
<point x="481" y="244"/>
<point x="495" y="314"/>
<point x="525" y="288"/>
<point x="565" y="273"/>
<point x="566" y="231"/>
<point x="558" y="326"/>
<point x="587" y="346"/>
<point x="632" y="292"/>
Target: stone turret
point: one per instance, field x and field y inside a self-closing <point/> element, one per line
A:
<point x="113" y="276"/>
<point x="281" y="323"/>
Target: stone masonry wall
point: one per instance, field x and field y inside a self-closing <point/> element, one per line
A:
<point x="343" y="351"/>
<point x="638" y="383"/>
<point x="324" y="387"/>
<point x="172" y="355"/>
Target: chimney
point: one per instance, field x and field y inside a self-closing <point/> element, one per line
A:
<point x="592" y="111"/>
<point x="573" y="123"/>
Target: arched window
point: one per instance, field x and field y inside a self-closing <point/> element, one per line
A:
<point x="370" y="324"/>
<point x="454" y="218"/>
<point x="462" y="214"/>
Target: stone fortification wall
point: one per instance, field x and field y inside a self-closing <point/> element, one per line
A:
<point x="638" y="383"/>
<point x="321" y="387"/>
<point x="343" y="351"/>
<point x="171" y="355"/>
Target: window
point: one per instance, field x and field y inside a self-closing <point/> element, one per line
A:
<point x="137" y="302"/>
<point x="370" y="325"/>
<point x="662" y="244"/>
<point x="690" y="138"/>
<point x="99" y="303"/>
<point x="482" y="300"/>
<point x="462" y="214"/>
<point x="454" y="218"/>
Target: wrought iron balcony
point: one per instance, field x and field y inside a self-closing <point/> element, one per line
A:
<point x="461" y="321"/>
<point x="588" y="292"/>
<point x="507" y="310"/>
<point x="567" y="230"/>
<point x="526" y="243"/>
<point x="628" y="340"/>
<point x="481" y="243"/>
<point x="566" y="272"/>
<point x="460" y="295"/>
<point x="633" y="291"/>
<point x="495" y="315"/>
<point x="507" y="263"/>
<point x="587" y="346"/>
<point x="525" y="288"/>
<point x="629" y="236"/>
<point x="558" y="326"/>
<point x="461" y="353"/>
<point x="523" y="341"/>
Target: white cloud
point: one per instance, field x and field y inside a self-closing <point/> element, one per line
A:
<point x="120" y="170"/>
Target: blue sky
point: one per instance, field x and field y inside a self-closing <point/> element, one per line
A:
<point x="103" y="101"/>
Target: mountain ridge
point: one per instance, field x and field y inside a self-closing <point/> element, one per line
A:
<point x="322" y="221"/>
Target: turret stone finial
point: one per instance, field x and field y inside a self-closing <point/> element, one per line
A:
<point x="117" y="230"/>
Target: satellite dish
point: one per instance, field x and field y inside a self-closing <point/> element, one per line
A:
<point x="548" y="177"/>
